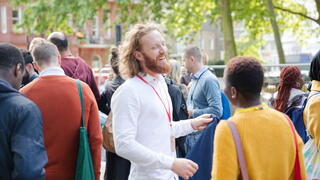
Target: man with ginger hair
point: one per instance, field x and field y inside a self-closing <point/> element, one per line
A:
<point x="142" y="110"/>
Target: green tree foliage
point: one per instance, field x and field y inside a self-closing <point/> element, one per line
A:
<point x="299" y="9"/>
<point x="182" y="19"/>
<point x="45" y="16"/>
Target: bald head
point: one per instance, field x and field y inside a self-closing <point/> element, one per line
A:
<point x="60" y="40"/>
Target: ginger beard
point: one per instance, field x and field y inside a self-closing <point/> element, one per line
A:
<point x="159" y="65"/>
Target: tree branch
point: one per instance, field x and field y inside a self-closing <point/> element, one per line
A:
<point x="298" y="13"/>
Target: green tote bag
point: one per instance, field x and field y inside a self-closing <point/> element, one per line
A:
<point x="84" y="169"/>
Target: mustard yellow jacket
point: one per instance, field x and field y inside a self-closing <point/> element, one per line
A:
<point x="311" y="113"/>
<point x="268" y="145"/>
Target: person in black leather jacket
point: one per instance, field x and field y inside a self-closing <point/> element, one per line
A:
<point x="117" y="168"/>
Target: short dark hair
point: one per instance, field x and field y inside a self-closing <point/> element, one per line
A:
<point x="10" y="56"/>
<point x="114" y="61"/>
<point x="314" y="72"/>
<point x="28" y="59"/>
<point x="194" y="51"/>
<point x="62" y="44"/>
<point x="246" y="75"/>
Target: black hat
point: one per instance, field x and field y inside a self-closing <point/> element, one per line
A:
<point x="26" y="56"/>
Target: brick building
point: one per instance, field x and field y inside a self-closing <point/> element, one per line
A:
<point x="93" y="48"/>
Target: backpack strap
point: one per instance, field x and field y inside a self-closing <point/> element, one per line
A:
<point x="313" y="94"/>
<point x="237" y="141"/>
<point x="297" y="167"/>
<point x="305" y="104"/>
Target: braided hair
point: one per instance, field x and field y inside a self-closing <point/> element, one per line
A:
<point x="289" y="78"/>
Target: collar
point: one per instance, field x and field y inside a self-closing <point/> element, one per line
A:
<point x="315" y="85"/>
<point x="199" y="73"/>
<point x="151" y="79"/>
<point x="52" y="71"/>
<point x="119" y="79"/>
<point x="250" y="109"/>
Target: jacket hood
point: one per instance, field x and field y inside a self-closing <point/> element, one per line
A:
<point x="6" y="89"/>
<point x="116" y="83"/>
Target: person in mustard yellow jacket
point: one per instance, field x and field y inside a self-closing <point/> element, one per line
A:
<point x="311" y="114"/>
<point x="267" y="139"/>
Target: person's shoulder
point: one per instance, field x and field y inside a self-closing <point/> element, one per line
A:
<point x="270" y="110"/>
<point x="82" y="61"/>
<point x="86" y="88"/>
<point x="223" y="128"/>
<point x="276" y="117"/>
<point x="209" y="76"/>
<point x="77" y="60"/>
<point x="210" y="79"/>
<point x="20" y="101"/>
<point x="132" y="82"/>
<point x="130" y="87"/>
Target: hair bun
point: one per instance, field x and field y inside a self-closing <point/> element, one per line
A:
<point x="114" y="52"/>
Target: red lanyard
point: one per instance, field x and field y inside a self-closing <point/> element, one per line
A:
<point x="167" y="110"/>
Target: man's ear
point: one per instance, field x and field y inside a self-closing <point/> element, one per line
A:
<point x="234" y="93"/>
<point x="36" y="66"/>
<point x="192" y="59"/>
<point x="18" y="69"/>
<point x="28" y="67"/>
<point x="138" y="55"/>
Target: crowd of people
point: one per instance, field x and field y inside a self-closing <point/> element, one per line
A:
<point x="162" y="124"/>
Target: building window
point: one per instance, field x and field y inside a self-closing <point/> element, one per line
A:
<point x="212" y="44"/>
<point x="108" y="29"/>
<point x="202" y="44"/>
<point x="107" y="23"/>
<point x="95" y="27"/>
<point x="3" y="14"/>
<point x="17" y="18"/>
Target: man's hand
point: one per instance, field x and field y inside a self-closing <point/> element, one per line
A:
<point x="185" y="168"/>
<point x="201" y="122"/>
<point x="190" y="113"/>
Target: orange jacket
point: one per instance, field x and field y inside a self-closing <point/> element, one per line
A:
<point x="58" y="100"/>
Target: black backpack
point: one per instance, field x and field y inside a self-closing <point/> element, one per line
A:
<point x="179" y="111"/>
<point x="295" y="112"/>
<point x="179" y="105"/>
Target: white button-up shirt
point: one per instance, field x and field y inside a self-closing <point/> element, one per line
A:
<point x="141" y="128"/>
<point x="52" y="71"/>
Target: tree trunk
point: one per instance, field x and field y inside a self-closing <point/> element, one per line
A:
<point x="318" y="8"/>
<point x="276" y="33"/>
<point x="227" y="28"/>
